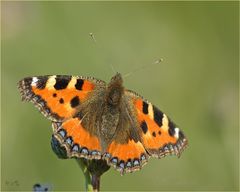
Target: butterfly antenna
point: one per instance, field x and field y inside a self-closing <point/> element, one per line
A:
<point x="113" y="69"/>
<point x="143" y="67"/>
<point x="92" y="36"/>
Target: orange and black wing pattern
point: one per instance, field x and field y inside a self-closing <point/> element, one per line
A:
<point x="160" y="136"/>
<point x="78" y="141"/>
<point x="126" y="157"/>
<point x="142" y="131"/>
<point x="57" y="96"/>
<point x="126" y="152"/>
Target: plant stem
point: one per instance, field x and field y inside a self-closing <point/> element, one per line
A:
<point x="96" y="183"/>
<point x="87" y="175"/>
<point x="92" y="170"/>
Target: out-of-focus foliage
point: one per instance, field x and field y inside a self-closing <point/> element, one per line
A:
<point x="196" y="85"/>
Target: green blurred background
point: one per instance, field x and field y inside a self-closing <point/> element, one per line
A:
<point x="196" y="85"/>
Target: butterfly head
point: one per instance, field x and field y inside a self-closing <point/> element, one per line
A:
<point x="117" y="78"/>
<point x="115" y="90"/>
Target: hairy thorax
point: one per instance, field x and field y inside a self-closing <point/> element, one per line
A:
<point x="104" y="111"/>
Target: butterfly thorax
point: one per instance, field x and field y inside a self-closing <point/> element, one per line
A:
<point x="115" y="90"/>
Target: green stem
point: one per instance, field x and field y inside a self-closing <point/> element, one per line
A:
<point x="87" y="175"/>
<point x="92" y="170"/>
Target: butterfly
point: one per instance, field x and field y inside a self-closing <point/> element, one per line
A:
<point x="95" y="120"/>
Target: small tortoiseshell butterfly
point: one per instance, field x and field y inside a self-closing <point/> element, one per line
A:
<point x="95" y="120"/>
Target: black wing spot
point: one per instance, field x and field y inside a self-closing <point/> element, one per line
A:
<point x="159" y="133"/>
<point x="75" y="101"/>
<point x="145" y="107"/>
<point x="61" y="82"/>
<point x="158" y="115"/>
<point x="154" y="134"/>
<point x="42" y="81"/>
<point x="61" y="101"/>
<point x="181" y="135"/>
<point x="54" y="95"/>
<point x="171" y="128"/>
<point x="144" y="127"/>
<point x="79" y="84"/>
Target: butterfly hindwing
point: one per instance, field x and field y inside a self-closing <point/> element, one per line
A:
<point x="127" y="157"/>
<point x="77" y="140"/>
<point x="159" y="134"/>
<point x="57" y="96"/>
<point x="126" y="152"/>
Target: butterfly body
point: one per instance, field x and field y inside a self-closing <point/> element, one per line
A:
<point x="95" y="120"/>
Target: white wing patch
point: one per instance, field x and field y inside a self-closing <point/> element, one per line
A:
<point x="34" y="81"/>
<point x="176" y="132"/>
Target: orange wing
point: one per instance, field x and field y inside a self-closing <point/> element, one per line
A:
<point x="159" y="134"/>
<point x="57" y="97"/>
<point x="125" y="152"/>
<point x="77" y="141"/>
<point x="126" y="157"/>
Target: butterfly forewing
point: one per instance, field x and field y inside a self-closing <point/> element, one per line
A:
<point x="57" y="96"/>
<point x="160" y="136"/>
